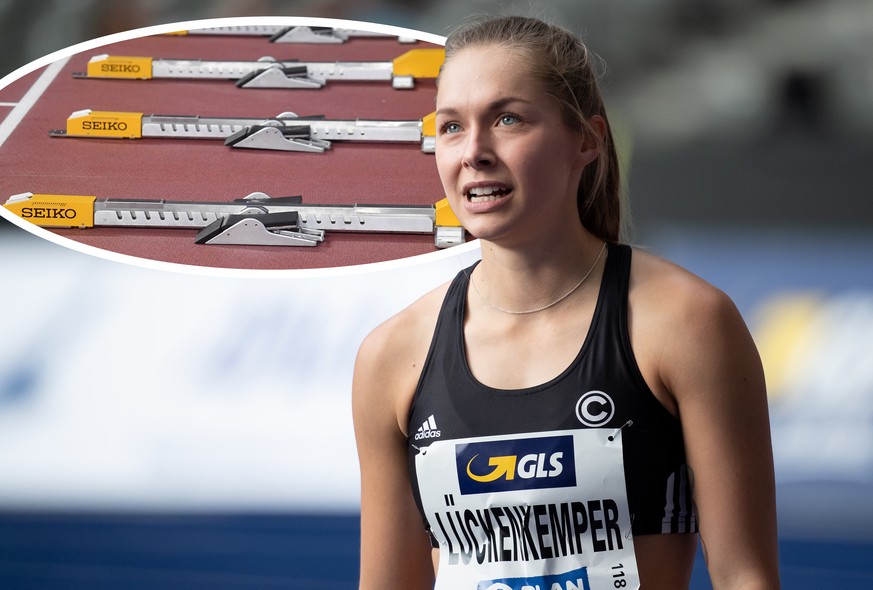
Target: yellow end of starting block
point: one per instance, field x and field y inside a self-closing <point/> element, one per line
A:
<point x="88" y="123"/>
<point x="53" y="210"/>
<point x="420" y="63"/>
<point x="118" y="66"/>
<point x="445" y="217"/>
<point x="428" y="125"/>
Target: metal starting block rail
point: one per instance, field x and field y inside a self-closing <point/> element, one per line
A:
<point x="294" y="34"/>
<point x="268" y="72"/>
<point x="284" y="132"/>
<point x="256" y="219"/>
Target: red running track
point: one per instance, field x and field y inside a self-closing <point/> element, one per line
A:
<point x="206" y="170"/>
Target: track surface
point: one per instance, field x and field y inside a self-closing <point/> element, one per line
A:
<point x="206" y="170"/>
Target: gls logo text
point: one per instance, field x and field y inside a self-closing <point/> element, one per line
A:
<point x="516" y="464"/>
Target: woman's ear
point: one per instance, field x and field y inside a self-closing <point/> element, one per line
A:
<point x="594" y="129"/>
<point x="598" y="125"/>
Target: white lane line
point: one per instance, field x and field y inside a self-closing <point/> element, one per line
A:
<point x="8" y="104"/>
<point x="29" y="99"/>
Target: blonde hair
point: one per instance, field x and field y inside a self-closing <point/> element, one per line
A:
<point x="562" y="64"/>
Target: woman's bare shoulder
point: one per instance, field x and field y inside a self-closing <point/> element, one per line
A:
<point x="684" y="329"/>
<point x="389" y="364"/>
<point x="670" y="291"/>
<point x="402" y="340"/>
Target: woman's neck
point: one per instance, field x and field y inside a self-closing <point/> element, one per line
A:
<point x="521" y="279"/>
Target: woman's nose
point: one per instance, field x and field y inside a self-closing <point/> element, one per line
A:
<point x="478" y="151"/>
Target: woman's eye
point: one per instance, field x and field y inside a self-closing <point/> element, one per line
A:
<point x="450" y="128"/>
<point x="508" y="119"/>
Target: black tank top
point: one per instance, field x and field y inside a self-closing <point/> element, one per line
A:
<point x="602" y="388"/>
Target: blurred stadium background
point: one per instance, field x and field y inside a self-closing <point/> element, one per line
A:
<point x="162" y="429"/>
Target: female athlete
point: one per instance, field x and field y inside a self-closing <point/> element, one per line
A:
<point x="569" y="412"/>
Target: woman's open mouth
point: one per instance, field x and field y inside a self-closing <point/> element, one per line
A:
<point x="483" y="194"/>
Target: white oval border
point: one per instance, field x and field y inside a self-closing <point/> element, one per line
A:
<point x="289" y="21"/>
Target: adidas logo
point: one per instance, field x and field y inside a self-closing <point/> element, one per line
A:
<point x="428" y="429"/>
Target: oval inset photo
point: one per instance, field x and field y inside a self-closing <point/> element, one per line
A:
<point x="246" y="143"/>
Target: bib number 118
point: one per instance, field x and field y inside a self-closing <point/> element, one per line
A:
<point x="619" y="580"/>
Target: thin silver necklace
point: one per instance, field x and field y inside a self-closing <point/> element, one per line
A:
<point x="544" y="307"/>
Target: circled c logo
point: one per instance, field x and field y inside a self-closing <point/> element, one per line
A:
<point x="595" y="408"/>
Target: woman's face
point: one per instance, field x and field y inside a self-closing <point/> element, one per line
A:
<point x="508" y="163"/>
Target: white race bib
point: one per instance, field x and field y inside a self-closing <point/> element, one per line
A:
<point x="541" y="511"/>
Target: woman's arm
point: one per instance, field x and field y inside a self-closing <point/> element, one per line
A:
<point x="395" y="549"/>
<point x="712" y="369"/>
